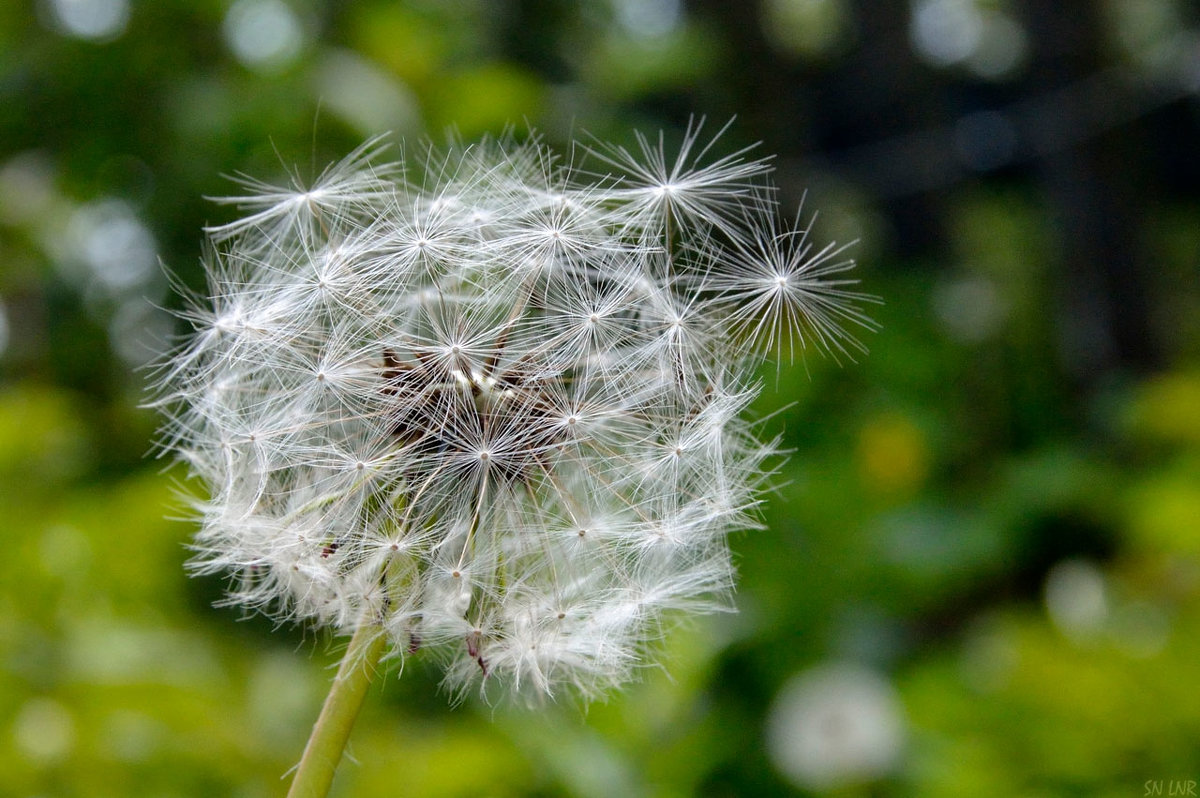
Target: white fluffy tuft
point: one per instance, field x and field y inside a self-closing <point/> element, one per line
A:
<point x="500" y="412"/>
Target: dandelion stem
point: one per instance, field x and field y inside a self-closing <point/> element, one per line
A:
<point x="314" y="774"/>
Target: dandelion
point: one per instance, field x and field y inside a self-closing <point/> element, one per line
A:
<point x="487" y="407"/>
<point x="834" y="726"/>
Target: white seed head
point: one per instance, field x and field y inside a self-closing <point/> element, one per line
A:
<point x="497" y="411"/>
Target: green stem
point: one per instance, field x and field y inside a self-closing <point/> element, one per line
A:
<point x="314" y="774"/>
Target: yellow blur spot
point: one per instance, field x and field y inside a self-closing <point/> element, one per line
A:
<point x="409" y="44"/>
<point x="1167" y="408"/>
<point x="1164" y="512"/>
<point x="893" y="456"/>
<point x="484" y="98"/>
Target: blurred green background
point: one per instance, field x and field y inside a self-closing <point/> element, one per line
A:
<point x="982" y="573"/>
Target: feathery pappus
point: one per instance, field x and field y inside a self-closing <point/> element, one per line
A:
<point x="493" y="401"/>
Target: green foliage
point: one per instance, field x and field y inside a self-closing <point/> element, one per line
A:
<point x="935" y="490"/>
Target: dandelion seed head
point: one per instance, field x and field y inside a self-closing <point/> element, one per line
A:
<point x="497" y="410"/>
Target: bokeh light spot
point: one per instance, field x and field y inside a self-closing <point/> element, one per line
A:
<point x="945" y="32"/>
<point x="1076" y="596"/>
<point x="97" y="20"/>
<point x="263" y="34"/>
<point x="112" y="242"/>
<point x="969" y="308"/>
<point x="44" y="730"/>
<point x="649" y="19"/>
<point x="1003" y="47"/>
<point x="26" y="188"/>
<point x="807" y="28"/>
<point x="365" y="95"/>
<point x="835" y="726"/>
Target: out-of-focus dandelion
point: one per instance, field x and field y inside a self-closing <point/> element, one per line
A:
<point x="834" y="726"/>
<point x="488" y="406"/>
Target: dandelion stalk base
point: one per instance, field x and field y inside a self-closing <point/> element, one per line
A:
<point x="314" y="774"/>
